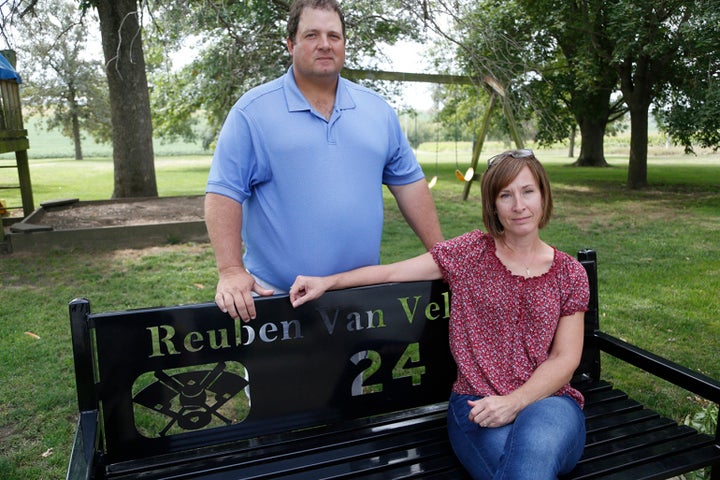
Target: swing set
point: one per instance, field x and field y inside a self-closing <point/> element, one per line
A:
<point x="498" y="97"/>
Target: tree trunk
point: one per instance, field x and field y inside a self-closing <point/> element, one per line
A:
<point x="636" y="84"/>
<point x="592" y="149"/>
<point x="133" y="156"/>
<point x="591" y="108"/>
<point x="75" y="121"/>
<point x="637" y="166"/>
<point x="76" y="137"/>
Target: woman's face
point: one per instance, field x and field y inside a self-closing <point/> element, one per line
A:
<point x="519" y="204"/>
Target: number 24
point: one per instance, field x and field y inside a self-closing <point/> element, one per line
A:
<point x="403" y="368"/>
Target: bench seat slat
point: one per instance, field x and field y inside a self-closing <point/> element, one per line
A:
<point x="339" y="459"/>
<point x="408" y="443"/>
<point x="598" y="391"/>
<point x="655" y="461"/>
<point x="594" y="387"/>
<point x="389" y="463"/>
<point x="416" y="446"/>
<point x="669" y="466"/>
<point x="616" y="419"/>
<point x="622" y="406"/>
<point x="626" y="443"/>
<point x="651" y="423"/>
<point x="357" y="431"/>
<point x="437" y="469"/>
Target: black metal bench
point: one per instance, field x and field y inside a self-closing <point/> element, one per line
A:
<point x="353" y="385"/>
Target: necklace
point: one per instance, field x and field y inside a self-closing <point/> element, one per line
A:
<point x="527" y="264"/>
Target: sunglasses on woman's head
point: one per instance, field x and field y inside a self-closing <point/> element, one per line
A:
<point x="522" y="153"/>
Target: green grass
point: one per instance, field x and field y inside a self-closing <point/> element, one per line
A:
<point x="659" y="270"/>
<point x="92" y="179"/>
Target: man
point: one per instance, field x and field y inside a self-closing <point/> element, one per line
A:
<point x="299" y="168"/>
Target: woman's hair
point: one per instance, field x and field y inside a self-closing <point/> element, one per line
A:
<point x="299" y="5"/>
<point x="502" y="170"/>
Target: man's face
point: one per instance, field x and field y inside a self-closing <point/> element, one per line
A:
<point x="318" y="50"/>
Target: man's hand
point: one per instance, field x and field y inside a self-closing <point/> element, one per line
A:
<point x="234" y="294"/>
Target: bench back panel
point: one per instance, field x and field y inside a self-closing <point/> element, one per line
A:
<point x="179" y="377"/>
<point x="170" y="379"/>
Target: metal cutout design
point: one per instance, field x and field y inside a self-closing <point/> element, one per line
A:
<point x="191" y="398"/>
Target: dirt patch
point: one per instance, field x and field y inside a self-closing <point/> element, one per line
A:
<point x="146" y="211"/>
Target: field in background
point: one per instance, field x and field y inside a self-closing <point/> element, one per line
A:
<point x="51" y="144"/>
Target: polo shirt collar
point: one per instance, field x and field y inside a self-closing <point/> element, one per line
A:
<point x="297" y="102"/>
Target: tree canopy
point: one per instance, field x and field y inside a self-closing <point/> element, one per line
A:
<point x="173" y="66"/>
<point x="584" y="58"/>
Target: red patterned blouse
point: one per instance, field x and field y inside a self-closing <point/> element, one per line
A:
<point x="502" y="325"/>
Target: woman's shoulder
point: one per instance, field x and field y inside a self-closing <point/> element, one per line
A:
<point x="472" y="239"/>
<point x="564" y="258"/>
<point x="461" y="248"/>
<point x="569" y="265"/>
<point x="473" y="236"/>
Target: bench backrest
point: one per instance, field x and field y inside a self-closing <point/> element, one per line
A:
<point x="169" y="379"/>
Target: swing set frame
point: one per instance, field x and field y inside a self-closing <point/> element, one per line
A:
<point x="498" y="97"/>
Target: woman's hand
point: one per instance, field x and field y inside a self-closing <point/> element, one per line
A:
<point x="305" y="289"/>
<point x="493" y="411"/>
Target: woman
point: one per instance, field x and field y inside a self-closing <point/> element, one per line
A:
<point x="516" y="328"/>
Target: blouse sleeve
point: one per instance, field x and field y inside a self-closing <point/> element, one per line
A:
<point x="458" y="255"/>
<point x="577" y="288"/>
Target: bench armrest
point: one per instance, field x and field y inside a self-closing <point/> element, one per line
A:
<point x="674" y="373"/>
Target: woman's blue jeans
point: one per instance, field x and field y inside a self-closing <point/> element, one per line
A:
<point x="546" y="439"/>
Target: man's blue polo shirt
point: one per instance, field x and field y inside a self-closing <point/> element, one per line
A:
<point x="311" y="189"/>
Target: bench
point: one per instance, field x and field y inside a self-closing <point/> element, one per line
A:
<point x="353" y="385"/>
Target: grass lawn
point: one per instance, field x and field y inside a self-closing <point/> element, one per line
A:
<point x="659" y="271"/>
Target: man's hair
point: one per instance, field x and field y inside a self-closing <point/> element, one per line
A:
<point x="299" y="5"/>
<point x="503" y="171"/>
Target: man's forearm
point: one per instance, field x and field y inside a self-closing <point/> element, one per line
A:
<point x="223" y="219"/>
<point x="418" y="208"/>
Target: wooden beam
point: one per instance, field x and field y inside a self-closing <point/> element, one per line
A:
<point x="362" y="74"/>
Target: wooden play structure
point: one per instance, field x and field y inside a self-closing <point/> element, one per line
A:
<point x="13" y="135"/>
<point x="497" y="98"/>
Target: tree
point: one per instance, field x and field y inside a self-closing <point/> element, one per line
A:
<point x="121" y="33"/>
<point x="691" y="115"/>
<point x="65" y="88"/>
<point x="132" y="134"/>
<point x="642" y="53"/>
<point x="652" y="55"/>
<point x="689" y="110"/>
<point x="580" y="77"/>
<point x="662" y="52"/>
<point x="543" y="53"/>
